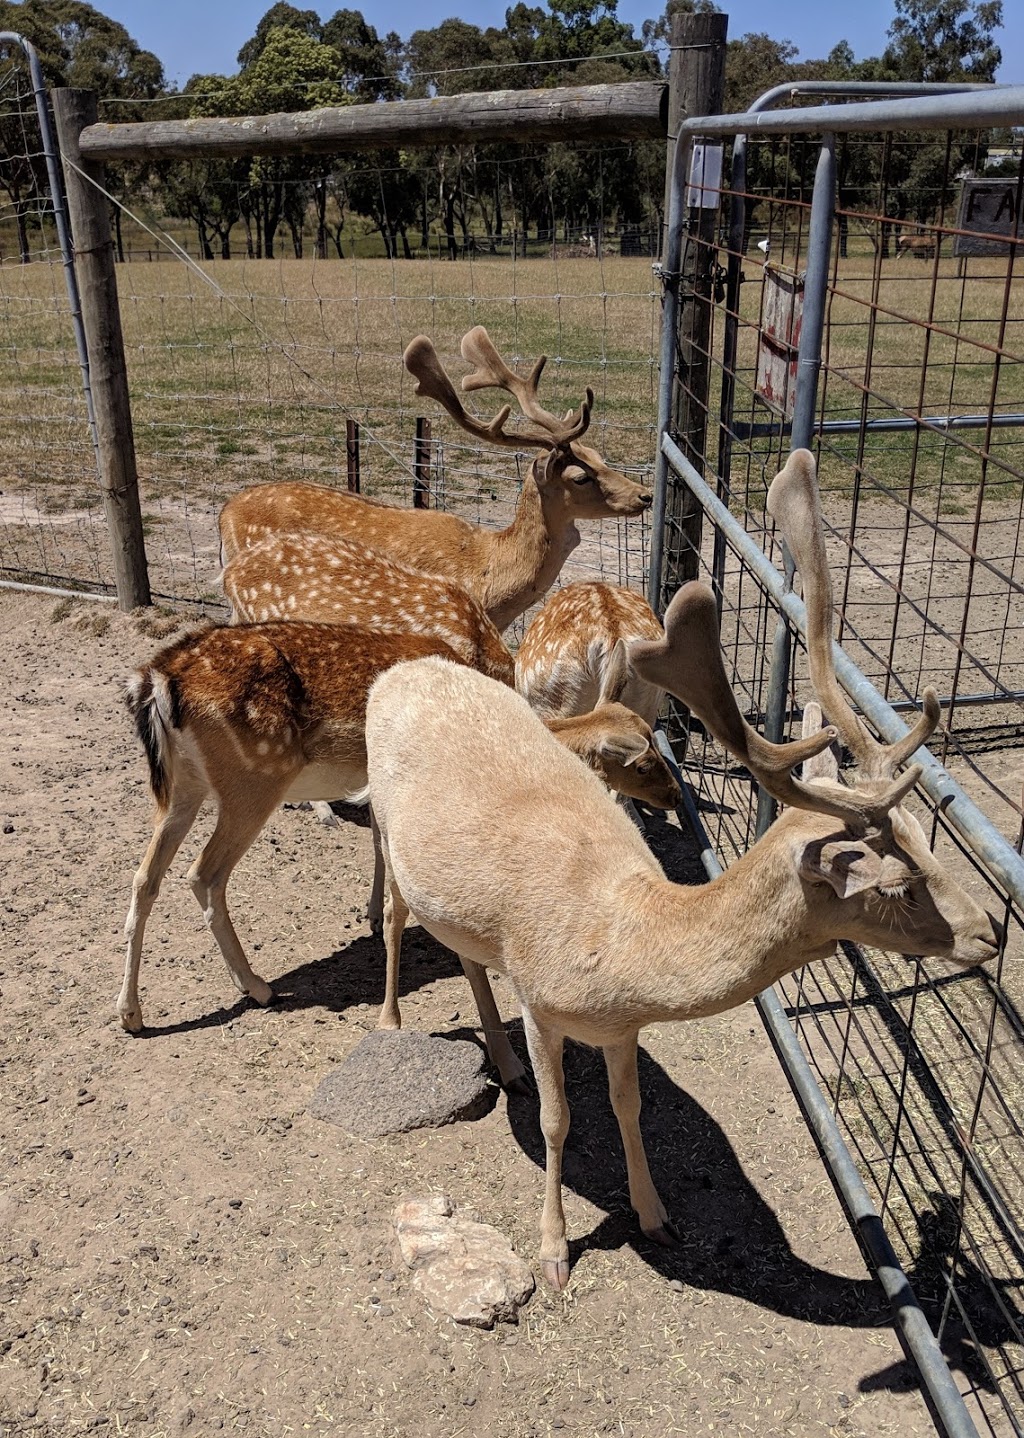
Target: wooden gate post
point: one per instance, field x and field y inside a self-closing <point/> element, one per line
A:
<point x="696" y="87"/>
<point x="101" y="318"/>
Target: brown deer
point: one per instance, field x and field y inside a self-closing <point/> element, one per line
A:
<point x="506" y="570"/>
<point x="538" y="874"/>
<point x="562" y="661"/>
<point x="254" y="715"/>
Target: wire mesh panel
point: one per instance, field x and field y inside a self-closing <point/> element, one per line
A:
<point x="919" y="435"/>
<point x="246" y="370"/>
<point x="52" y="529"/>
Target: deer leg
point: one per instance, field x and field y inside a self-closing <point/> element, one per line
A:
<point x="323" y="811"/>
<point x="396" y="914"/>
<point x="171" y="828"/>
<point x="499" y="1050"/>
<point x="624" y="1090"/>
<point x="546" y="1057"/>
<point x="238" y="823"/>
<point x="375" y="908"/>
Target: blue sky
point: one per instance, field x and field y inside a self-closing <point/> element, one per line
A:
<point x="192" y="36"/>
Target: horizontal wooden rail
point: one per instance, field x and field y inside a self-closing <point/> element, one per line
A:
<point x="632" y="111"/>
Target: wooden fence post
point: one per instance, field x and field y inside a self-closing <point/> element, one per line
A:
<point x="101" y="318"/>
<point x="421" y="466"/>
<point x="352" y="454"/>
<point x="696" y="87"/>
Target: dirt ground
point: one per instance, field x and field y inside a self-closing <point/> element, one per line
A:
<point x="185" y="1250"/>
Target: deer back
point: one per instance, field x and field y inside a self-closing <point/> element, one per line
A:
<point x="339" y="581"/>
<point x="563" y="666"/>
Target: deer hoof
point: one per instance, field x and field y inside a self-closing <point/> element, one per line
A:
<point x="521" y="1086"/>
<point x="131" y="1020"/>
<point x="556" y="1272"/>
<point x="261" y="991"/>
<point x="666" y="1234"/>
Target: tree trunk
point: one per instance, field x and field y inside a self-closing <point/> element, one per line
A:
<point x="321" y="220"/>
<point x="407" y="252"/>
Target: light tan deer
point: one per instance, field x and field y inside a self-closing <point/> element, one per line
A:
<point x="506" y="570"/>
<point x="540" y="875"/>
<point x="562" y="661"/>
<point x="251" y="716"/>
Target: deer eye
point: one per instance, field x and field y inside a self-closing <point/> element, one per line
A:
<point x="581" y="477"/>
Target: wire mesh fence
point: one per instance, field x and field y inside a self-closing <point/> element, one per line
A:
<point x="51" y="524"/>
<point x="247" y="370"/>
<point x="921" y="1063"/>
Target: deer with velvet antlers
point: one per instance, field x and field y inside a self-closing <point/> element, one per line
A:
<point x="506" y="570"/>
<point x="538" y="874"/>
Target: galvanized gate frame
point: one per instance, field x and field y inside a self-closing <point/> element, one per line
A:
<point x="908" y="107"/>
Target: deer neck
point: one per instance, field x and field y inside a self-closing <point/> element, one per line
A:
<point x="527" y="557"/>
<point x="699" y="951"/>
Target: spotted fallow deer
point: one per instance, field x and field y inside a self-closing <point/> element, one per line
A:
<point x="309" y="577"/>
<point x="565" y="653"/>
<point x="253" y="715"/>
<point x="508" y="569"/>
<point x="539" y="874"/>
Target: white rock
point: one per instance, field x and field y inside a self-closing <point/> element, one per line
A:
<point x="461" y="1266"/>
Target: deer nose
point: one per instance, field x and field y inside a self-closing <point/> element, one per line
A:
<point x="646" y="498"/>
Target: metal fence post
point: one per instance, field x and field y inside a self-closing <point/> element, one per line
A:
<point x="94" y="260"/>
<point x="352" y="455"/>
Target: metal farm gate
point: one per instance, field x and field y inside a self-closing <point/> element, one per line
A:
<point x="843" y="278"/>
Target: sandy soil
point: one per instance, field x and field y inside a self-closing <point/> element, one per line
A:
<point x="184" y="1250"/>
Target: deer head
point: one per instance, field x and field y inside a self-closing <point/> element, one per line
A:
<point x="863" y="859"/>
<point x="594" y="489"/>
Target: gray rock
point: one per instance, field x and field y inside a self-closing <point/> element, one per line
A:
<point x="461" y="1266"/>
<point x="395" y="1080"/>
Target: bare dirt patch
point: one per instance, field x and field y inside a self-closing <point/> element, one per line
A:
<point x="185" y="1250"/>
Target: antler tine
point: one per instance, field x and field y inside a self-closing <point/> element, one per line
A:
<point x="795" y="502"/>
<point x="688" y="663"/>
<point x="421" y="361"/>
<point x="492" y="372"/>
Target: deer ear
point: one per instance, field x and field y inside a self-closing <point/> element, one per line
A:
<point x="826" y="764"/>
<point x="624" y="749"/>
<point x="848" y="865"/>
<point x="547" y="470"/>
<point x="616" y="675"/>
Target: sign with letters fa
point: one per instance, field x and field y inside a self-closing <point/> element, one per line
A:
<point x="988" y="211"/>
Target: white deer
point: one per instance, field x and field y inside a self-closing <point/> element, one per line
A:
<point x="528" y="866"/>
<point x="507" y="569"/>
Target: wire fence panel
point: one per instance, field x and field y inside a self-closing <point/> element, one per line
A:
<point x="52" y="529"/>
<point x="919" y="435"/>
<point x="246" y="370"/>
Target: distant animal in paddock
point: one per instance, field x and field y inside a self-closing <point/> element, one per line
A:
<point x="506" y="570"/>
<point x="254" y="715"/>
<point x="922" y="247"/>
<point x="536" y="873"/>
<point x="565" y="653"/>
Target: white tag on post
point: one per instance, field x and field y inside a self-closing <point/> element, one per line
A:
<point x="703" y="191"/>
